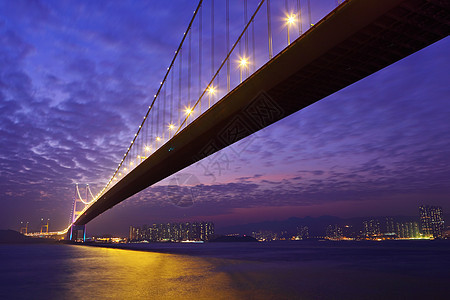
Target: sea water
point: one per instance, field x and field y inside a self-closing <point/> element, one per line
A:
<point x="274" y="270"/>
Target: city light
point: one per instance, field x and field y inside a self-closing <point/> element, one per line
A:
<point x="147" y="148"/>
<point x="185" y="232"/>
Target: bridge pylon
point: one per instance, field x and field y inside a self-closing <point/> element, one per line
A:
<point x="44" y="226"/>
<point x="77" y="233"/>
<point x="24" y="228"/>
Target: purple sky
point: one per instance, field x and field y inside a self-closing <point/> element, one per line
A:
<point x="76" y="78"/>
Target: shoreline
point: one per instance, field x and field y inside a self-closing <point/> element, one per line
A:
<point x="283" y="250"/>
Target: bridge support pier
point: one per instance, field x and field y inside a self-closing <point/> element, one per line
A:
<point x="77" y="233"/>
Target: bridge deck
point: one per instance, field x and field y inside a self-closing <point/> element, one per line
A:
<point x="352" y="42"/>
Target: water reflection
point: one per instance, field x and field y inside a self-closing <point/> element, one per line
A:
<point x="409" y="270"/>
<point x="123" y="274"/>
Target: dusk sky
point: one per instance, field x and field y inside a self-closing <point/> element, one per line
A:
<point x="76" y="78"/>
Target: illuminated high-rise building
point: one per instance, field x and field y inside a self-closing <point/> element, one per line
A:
<point x="432" y="220"/>
<point x="303" y="232"/>
<point x="132" y="235"/>
<point x="334" y="231"/>
<point x="206" y="230"/>
<point x="389" y="225"/>
<point x="265" y="235"/>
<point x="195" y="231"/>
<point x="407" y="230"/>
<point x="371" y="228"/>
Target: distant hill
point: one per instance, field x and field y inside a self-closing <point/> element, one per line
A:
<point x="14" y="237"/>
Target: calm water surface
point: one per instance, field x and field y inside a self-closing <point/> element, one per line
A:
<point x="285" y="270"/>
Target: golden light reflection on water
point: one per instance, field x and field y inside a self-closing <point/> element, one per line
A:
<point x="99" y="273"/>
<point x="295" y="271"/>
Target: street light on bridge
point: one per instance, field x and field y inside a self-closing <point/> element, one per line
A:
<point x="157" y="139"/>
<point x="171" y="128"/>
<point x="188" y="111"/>
<point x="243" y="64"/>
<point x="211" y="91"/>
<point x="290" y="20"/>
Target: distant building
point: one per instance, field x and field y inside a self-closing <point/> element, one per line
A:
<point x="206" y="230"/>
<point x="393" y="228"/>
<point x="389" y="225"/>
<point x="334" y="232"/>
<point x="176" y="232"/>
<point x="432" y="220"/>
<point x="265" y="235"/>
<point x="407" y="230"/>
<point x="447" y="232"/>
<point x="302" y="232"/>
<point x="348" y="231"/>
<point x="371" y="228"/>
<point x="132" y="235"/>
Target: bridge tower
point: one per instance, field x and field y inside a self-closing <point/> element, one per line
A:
<point x="44" y="226"/>
<point x="78" y="232"/>
<point x="24" y="227"/>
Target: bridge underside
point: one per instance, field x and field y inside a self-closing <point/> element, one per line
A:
<point x="352" y="42"/>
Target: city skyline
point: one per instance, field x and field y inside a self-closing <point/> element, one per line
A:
<point x="44" y="225"/>
<point x="427" y="224"/>
<point x="71" y="102"/>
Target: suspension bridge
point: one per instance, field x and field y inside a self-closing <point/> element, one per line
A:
<point x="243" y="65"/>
